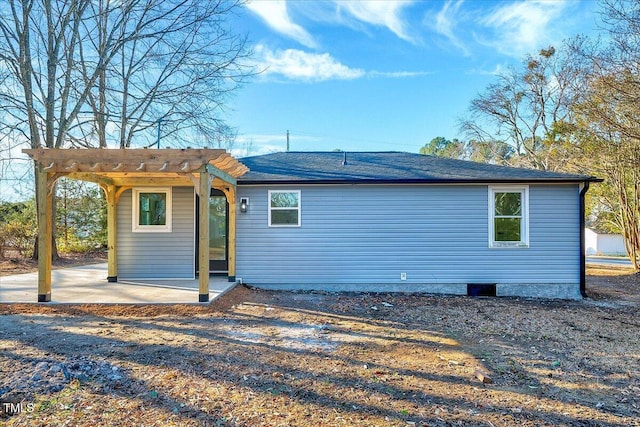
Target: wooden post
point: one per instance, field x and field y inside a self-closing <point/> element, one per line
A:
<point x="203" y="237"/>
<point x="112" y="232"/>
<point x="45" y="227"/>
<point x="231" y="261"/>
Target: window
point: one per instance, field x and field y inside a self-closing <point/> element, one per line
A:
<point x="284" y="208"/>
<point x="151" y="210"/>
<point x="508" y="217"/>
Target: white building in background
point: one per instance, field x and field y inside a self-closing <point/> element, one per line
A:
<point x="603" y="243"/>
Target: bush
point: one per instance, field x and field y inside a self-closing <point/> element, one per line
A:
<point x="16" y="235"/>
<point x="4" y="243"/>
<point x="81" y="221"/>
<point x="76" y="245"/>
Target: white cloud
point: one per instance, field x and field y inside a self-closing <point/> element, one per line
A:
<point x="275" y="14"/>
<point x="296" y="64"/>
<point x="498" y="70"/>
<point x="381" y="13"/>
<point x="399" y="74"/>
<point x="299" y="65"/>
<point x="387" y="14"/>
<point x="445" y="23"/>
<point x="523" y="26"/>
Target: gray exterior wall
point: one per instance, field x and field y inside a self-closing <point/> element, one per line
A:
<point x="158" y="255"/>
<point x="362" y="237"/>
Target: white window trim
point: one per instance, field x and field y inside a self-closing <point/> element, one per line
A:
<point x="524" y="225"/>
<point x="271" y="208"/>
<point x="135" y="201"/>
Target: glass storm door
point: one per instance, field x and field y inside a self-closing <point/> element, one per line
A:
<point x="218" y="224"/>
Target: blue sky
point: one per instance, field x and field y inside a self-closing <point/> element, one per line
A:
<point x="382" y="75"/>
<point x="375" y="75"/>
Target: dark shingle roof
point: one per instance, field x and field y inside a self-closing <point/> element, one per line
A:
<point x="384" y="167"/>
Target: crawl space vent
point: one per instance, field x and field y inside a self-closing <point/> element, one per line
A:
<point x="481" y="289"/>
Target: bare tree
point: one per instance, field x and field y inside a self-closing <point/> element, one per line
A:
<point x="83" y="72"/>
<point x="490" y="151"/>
<point x="37" y="41"/>
<point x="173" y="78"/>
<point x="527" y="108"/>
<point x="86" y="72"/>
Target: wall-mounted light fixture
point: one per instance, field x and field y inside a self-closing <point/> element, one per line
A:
<point x="244" y="204"/>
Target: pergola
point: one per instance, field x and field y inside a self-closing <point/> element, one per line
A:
<point x="117" y="170"/>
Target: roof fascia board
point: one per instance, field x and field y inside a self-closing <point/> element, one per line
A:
<point x="416" y="182"/>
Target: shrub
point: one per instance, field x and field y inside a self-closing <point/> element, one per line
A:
<point x="16" y="235"/>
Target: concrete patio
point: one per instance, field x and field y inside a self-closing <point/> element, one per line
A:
<point x="88" y="285"/>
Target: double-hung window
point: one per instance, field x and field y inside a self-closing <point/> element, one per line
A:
<point x="151" y="210"/>
<point x="284" y="208"/>
<point x="509" y="217"/>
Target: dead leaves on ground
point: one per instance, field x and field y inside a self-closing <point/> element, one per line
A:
<point x="278" y="359"/>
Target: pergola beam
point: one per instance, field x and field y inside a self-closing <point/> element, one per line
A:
<point x="218" y="173"/>
<point x="151" y="181"/>
<point x="132" y="155"/>
<point x="90" y="177"/>
<point x="71" y="166"/>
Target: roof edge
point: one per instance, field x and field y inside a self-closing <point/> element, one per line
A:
<point x="418" y="181"/>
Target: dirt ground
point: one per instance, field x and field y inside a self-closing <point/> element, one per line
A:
<point x="258" y="358"/>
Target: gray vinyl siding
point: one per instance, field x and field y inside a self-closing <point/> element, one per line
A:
<point x="158" y="255"/>
<point x="436" y="234"/>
